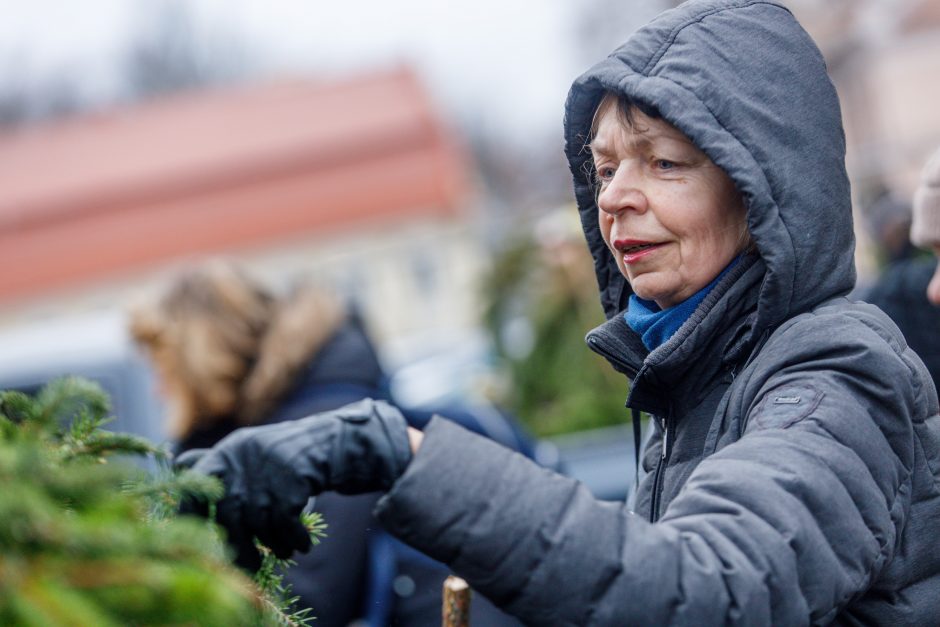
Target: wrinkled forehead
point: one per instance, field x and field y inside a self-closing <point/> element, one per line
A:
<point x="630" y="126"/>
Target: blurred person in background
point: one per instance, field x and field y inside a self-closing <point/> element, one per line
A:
<point x="925" y="229"/>
<point x="909" y="288"/>
<point x="792" y="467"/>
<point x="229" y="353"/>
<point x="888" y="221"/>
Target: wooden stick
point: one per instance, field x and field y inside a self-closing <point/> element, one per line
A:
<point x="456" y="610"/>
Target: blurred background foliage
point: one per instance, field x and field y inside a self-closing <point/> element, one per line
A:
<point x="541" y="299"/>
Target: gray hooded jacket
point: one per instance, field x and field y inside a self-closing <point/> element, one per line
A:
<point x="793" y="473"/>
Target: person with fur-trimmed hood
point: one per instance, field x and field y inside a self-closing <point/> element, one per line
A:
<point x="793" y="462"/>
<point x="231" y="353"/>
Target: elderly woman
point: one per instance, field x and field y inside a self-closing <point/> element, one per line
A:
<point x="793" y="468"/>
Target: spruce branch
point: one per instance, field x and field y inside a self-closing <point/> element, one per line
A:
<point x="63" y="400"/>
<point x="85" y="424"/>
<point x="86" y="542"/>
<point x="99" y="444"/>
<point x="17" y="406"/>
<point x="315" y="525"/>
<point x="270" y="577"/>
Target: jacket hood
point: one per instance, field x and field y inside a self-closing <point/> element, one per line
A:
<point x="298" y="330"/>
<point x="748" y="86"/>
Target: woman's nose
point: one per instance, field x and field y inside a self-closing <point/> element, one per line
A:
<point x="933" y="288"/>
<point x="624" y="192"/>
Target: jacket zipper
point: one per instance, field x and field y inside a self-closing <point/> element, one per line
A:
<point x="636" y="375"/>
<point x="658" y="478"/>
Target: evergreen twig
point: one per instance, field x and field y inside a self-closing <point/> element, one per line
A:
<point x="85" y="541"/>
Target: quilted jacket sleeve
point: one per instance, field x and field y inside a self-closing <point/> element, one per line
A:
<point x="784" y="526"/>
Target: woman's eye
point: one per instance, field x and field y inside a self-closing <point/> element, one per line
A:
<point x="606" y="173"/>
<point x="664" y="164"/>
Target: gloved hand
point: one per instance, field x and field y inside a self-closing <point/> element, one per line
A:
<point x="270" y="472"/>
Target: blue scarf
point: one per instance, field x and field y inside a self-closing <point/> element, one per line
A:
<point x="654" y="325"/>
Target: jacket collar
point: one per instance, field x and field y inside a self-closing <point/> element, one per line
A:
<point x="715" y="338"/>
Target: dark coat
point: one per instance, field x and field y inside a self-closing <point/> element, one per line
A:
<point x="793" y="471"/>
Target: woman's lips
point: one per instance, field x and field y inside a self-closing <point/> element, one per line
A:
<point x="635" y="250"/>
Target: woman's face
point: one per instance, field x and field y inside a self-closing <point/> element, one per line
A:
<point x="672" y="219"/>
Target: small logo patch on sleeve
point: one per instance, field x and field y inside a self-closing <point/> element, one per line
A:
<point x="785" y="405"/>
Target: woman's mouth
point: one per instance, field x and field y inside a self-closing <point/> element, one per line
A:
<point x="635" y="250"/>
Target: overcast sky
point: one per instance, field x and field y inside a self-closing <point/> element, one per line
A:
<point x="504" y="65"/>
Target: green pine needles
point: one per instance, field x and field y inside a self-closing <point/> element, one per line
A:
<point x="88" y="538"/>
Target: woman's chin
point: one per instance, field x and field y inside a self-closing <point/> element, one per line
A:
<point x="645" y="291"/>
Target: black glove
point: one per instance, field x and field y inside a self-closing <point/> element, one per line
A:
<point x="271" y="471"/>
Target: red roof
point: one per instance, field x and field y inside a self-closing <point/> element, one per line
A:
<point x="206" y="171"/>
